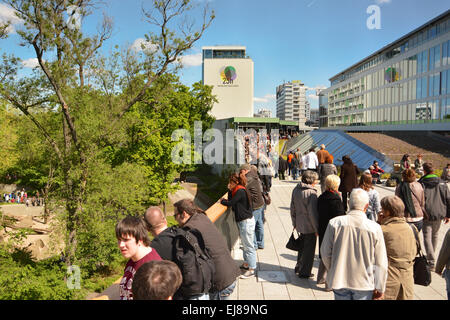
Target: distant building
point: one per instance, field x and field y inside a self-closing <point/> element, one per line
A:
<point x="263" y="113"/>
<point x="402" y="86"/>
<point x="314" y="118"/>
<point x="230" y="72"/>
<point x="291" y="102"/>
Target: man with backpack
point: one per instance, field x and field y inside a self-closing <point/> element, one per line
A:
<point x="217" y="280"/>
<point x="186" y="248"/>
<point x="190" y="216"/>
<point x="437" y="207"/>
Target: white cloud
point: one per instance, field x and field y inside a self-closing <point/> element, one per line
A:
<point x="7" y="14"/>
<point x="30" y="63"/>
<point x="264" y="99"/>
<point x="382" y="1"/>
<point x="313" y="97"/>
<point x="141" y="44"/>
<point x="191" y="60"/>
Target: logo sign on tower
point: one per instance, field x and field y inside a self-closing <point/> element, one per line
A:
<point x="228" y="74"/>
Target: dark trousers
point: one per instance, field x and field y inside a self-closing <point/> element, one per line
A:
<point x="305" y="258"/>
<point x="281" y="175"/>
<point x="345" y="196"/>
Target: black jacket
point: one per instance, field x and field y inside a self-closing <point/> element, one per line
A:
<point x="437" y="197"/>
<point x="329" y="206"/>
<point x="239" y="203"/>
<point x="163" y="244"/>
<point x="226" y="268"/>
<point x="282" y="164"/>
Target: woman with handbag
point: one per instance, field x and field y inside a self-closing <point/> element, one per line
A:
<point x="329" y="206"/>
<point x="304" y="218"/>
<point x="413" y="197"/>
<point x="400" y="247"/>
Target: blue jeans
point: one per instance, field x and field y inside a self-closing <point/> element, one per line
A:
<point x="446" y="275"/>
<point x="258" y="214"/>
<point x="247" y="234"/>
<point x="294" y="173"/>
<point x="418" y="224"/>
<point x="223" y="294"/>
<point x="348" y="294"/>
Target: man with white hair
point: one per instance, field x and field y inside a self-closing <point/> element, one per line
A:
<point x="354" y="253"/>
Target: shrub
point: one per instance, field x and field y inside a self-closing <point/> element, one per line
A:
<point x="21" y="278"/>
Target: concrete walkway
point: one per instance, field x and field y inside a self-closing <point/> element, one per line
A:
<point x="276" y="279"/>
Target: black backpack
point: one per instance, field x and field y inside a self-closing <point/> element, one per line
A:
<point x="194" y="261"/>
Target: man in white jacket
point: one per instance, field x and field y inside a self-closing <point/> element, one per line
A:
<point x="354" y="253"/>
<point x="311" y="161"/>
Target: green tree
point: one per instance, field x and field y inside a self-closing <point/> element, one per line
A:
<point x="93" y="118"/>
<point x="8" y="139"/>
<point x="153" y="121"/>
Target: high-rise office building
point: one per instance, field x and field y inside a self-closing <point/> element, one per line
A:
<point x="291" y="102"/>
<point x="403" y="86"/>
<point x="230" y="71"/>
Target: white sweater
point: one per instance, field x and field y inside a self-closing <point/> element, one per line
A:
<point x="354" y="253"/>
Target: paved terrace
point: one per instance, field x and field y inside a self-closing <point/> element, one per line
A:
<point x="276" y="279"/>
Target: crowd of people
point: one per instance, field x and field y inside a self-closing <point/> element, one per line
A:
<point x="367" y="250"/>
<point x="367" y="245"/>
<point x="21" y="196"/>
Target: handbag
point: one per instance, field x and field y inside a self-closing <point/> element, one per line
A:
<point x="266" y="198"/>
<point x="422" y="271"/>
<point x="293" y="243"/>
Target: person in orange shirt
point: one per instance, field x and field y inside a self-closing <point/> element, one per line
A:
<point x="290" y="156"/>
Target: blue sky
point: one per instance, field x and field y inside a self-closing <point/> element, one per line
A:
<point x="308" y="40"/>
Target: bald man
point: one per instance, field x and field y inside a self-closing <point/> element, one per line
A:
<point x="156" y="224"/>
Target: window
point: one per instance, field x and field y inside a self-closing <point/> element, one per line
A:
<point x="424" y="87"/>
<point x="446" y="53"/>
<point x="412" y="66"/>
<point x="433" y="108"/>
<point x="421" y="88"/>
<point x="435" y="57"/>
<point x="445" y="114"/>
<point x="444" y="82"/>
<point x="207" y="54"/>
<point x="434" y="84"/>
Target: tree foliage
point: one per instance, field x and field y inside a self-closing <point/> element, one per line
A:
<point x="99" y="127"/>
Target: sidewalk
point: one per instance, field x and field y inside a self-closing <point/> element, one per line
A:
<point x="276" y="279"/>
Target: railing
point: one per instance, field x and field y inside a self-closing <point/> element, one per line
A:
<point x="223" y="219"/>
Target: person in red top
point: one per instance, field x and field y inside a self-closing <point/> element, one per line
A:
<point x="376" y="172"/>
<point x="134" y="244"/>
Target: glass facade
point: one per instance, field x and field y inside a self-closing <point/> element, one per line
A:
<point x="407" y="83"/>
<point x="223" y="54"/>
